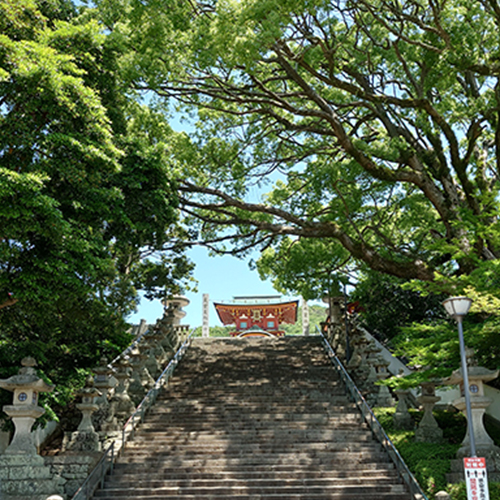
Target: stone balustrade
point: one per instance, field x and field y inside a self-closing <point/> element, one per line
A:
<point x="105" y="404"/>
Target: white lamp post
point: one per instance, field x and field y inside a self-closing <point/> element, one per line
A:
<point x="457" y="308"/>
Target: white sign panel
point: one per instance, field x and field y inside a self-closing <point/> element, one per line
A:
<point x="205" y="329"/>
<point x="476" y="478"/>
<point x="305" y="318"/>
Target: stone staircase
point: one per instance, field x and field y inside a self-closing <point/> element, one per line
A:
<point x="252" y="419"/>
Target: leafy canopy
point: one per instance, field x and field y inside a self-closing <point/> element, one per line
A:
<point x="87" y="201"/>
<point x="372" y="125"/>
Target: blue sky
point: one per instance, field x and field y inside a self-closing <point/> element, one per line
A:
<point x="221" y="277"/>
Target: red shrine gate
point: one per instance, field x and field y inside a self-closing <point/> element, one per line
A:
<point x="257" y="316"/>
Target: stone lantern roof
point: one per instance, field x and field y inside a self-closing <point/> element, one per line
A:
<point x="26" y="378"/>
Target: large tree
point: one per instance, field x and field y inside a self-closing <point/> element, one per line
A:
<point x="87" y="203"/>
<point x="377" y="122"/>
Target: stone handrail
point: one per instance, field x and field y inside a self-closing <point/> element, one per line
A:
<point x="375" y="426"/>
<point x="105" y="465"/>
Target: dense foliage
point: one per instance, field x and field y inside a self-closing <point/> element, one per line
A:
<point x="387" y="306"/>
<point x="372" y="125"/>
<point x="87" y="203"/>
<point x="378" y="120"/>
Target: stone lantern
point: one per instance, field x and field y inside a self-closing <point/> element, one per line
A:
<point x="26" y="386"/>
<point x="428" y="429"/>
<point x="88" y="394"/>
<point x="173" y="308"/>
<point x="85" y="438"/>
<point x="103" y="381"/>
<point x="479" y="402"/>
<point x="384" y="397"/>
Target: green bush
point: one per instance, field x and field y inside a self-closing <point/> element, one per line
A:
<point x="431" y="462"/>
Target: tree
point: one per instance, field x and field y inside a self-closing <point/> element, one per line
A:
<point x="87" y="202"/>
<point x="388" y="307"/>
<point x="373" y="125"/>
<point x="378" y="122"/>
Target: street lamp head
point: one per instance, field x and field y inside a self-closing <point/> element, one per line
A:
<point x="457" y="307"/>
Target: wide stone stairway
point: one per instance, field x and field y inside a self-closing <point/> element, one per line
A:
<point x="254" y="418"/>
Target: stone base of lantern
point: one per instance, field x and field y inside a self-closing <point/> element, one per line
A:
<point x="403" y="421"/>
<point x="428" y="434"/>
<point x="27" y="476"/>
<point x="82" y="441"/>
<point x="384" y="397"/>
<point x="485" y="446"/>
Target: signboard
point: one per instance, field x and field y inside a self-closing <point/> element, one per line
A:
<point x="305" y="318"/>
<point x="476" y="478"/>
<point x="205" y="329"/>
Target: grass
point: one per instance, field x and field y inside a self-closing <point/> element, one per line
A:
<point x="431" y="462"/>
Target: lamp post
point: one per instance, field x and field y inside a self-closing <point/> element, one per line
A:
<point x="457" y="308"/>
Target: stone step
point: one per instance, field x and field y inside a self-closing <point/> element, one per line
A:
<point x="261" y="416"/>
<point x="369" y="495"/>
<point x="248" y="404"/>
<point x="247" y="425"/>
<point x="363" y="472"/>
<point x="263" y="393"/>
<point x="251" y="489"/>
<point x="317" y="457"/>
<point x="252" y="434"/>
<point x="210" y="410"/>
<point x="240" y="439"/>
<point x="236" y="448"/>
<point x="133" y="482"/>
<point x="305" y="469"/>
